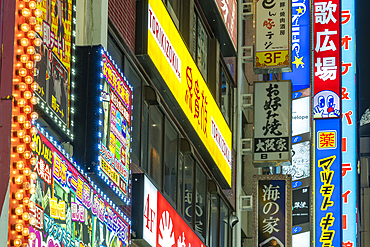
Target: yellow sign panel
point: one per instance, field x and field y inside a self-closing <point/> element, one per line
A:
<point x="326" y="139"/>
<point x="178" y="69"/>
<point x="272" y="58"/>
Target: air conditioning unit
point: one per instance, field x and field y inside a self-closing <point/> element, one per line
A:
<point x="246" y="203"/>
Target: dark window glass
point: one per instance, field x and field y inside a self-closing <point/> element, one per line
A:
<point x="155" y="144"/>
<point x="189" y="187"/>
<point x="200" y="201"/>
<point x="213" y="228"/>
<point x="225" y="96"/>
<point x="170" y="161"/>
<point x="200" y="44"/>
<point x="224" y="216"/>
<point x="144" y="138"/>
<point x="115" y="52"/>
<point x="180" y="194"/>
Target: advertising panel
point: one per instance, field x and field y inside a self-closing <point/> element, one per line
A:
<point x="301" y="206"/>
<point x="300" y="167"/>
<point x="228" y="10"/>
<point x="162" y="225"/>
<point x="53" y="72"/>
<point x="115" y="125"/>
<point x="326" y="59"/>
<point x="272" y="36"/>
<point x="349" y="123"/>
<point x="272" y="122"/>
<point x="327" y="194"/>
<point x="272" y="207"/>
<point x="177" y="68"/>
<point x="68" y="210"/>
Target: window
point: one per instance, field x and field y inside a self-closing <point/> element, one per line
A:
<point x="200" y="202"/>
<point x="170" y="160"/>
<point x="189" y="187"/>
<point x="155" y="144"/>
<point x="224" y="224"/>
<point x="214" y="221"/>
<point x="226" y="96"/>
<point x="200" y="44"/>
<point x="173" y="7"/>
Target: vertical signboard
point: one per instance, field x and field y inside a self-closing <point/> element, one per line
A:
<point x="272" y="122"/>
<point x="326" y="59"/>
<point x="67" y="210"/>
<point x="348" y="123"/>
<point x="115" y="126"/>
<point x="53" y="72"/>
<point x="272" y="36"/>
<point x="228" y="10"/>
<point x="327" y="194"/>
<point x="272" y="207"/>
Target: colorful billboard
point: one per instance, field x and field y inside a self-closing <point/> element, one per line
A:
<point x="272" y="36"/>
<point x="327" y="194"/>
<point x="115" y="126"/>
<point x="326" y="59"/>
<point x="54" y="72"/>
<point x="272" y="210"/>
<point x="272" y="122"/>
<point x="68" y="210"/>
<point x="172" y="59"/>
<point x="349" y="205"/>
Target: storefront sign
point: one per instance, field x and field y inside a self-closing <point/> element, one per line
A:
<point x="161" y="225"/>
<point x="272" y="39"/>
<point x="272" y="122"/>
<point x="301" y="206"/>
<point x="348" y="124"/>
<point x="300" y="167"/>
<point x="272" y="207"/>
<point x="68" y="210"/>
<point x="54" y="71"/>
<point x="326" y="59"/>
<point x="115" y="131"/>
<point x="228" y="10"/>
<point x="177" y="68"/>
<point x="327" y="194"/>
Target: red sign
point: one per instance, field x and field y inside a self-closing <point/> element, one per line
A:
<point x="228" y="9"/>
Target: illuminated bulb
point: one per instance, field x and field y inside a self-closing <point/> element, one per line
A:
<point x="26" y="201"/>
<point x="36" y="72"/>
<point x="33" y="130"/>
<point x="21" y="102"/>
<point x="18" y="180"/>
<point x="37" y="57"/>
<point x="21" y="133"/>
<point x="18" y="211"/>
<point x="25" y="216"/>
<point x="32" y="236"/>
<point x="31" y="205"/>
<point x="27" y="171"/>
<point x="18" y="195"/>
<point x="18" y="227"/>
<point x="26" y="12"/>
<point x="27" y="125"/>
<point x="31" y="35"/>
<point x="25" y="232"/>
<point x="22" y="72"/>
<point x="37" y="42"/>
<point x="33" y="161"/>
<point x="32" y="145"/>
<point x="38" y="28"/>
<point x="22" y="86"/>
<point x="17" y="242"/>
<point x="29" y="65"/>
<point x="33" y="221"/>
<point x="32" y="190"/>
<point x="37" y="12"/>
<point x="34" y="100"/>
<point x="27" y="155"/>
<point x="31" y="50"/>
<point x="32" y="5"/>
<point x="27" y="139"/>
<point x="32" y="20"/>
<point x="34" y="116"/>
<point x="21" y="148"/>
<point x="33" y="176"/>
<point x="20" y="165"/>
<point x="34" y="86"/>
<point x="26" y="185"/>
<point x="28" y="79"/>
<point x="21" y="118"/>
<point x="24" y="42"/>
<point x="27" y="94"/>
<point x="27" y="109"/>
<point x="23" y="58"/>
<point x="25" y="27"/>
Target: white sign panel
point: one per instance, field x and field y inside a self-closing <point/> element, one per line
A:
<point x="300" y="167"/>
<point x="272" y="121"/>
<point x="301" y="116"/>
<point x="150" y="212"/>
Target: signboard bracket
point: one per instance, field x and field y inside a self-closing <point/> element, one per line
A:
<point x="247" y="144"/>
<point x="246" y="203"/>
<point x="247" y="11"/>
<point x="248" y="49"/>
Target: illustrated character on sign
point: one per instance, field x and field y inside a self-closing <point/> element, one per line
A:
<point x="326" y="105"/>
